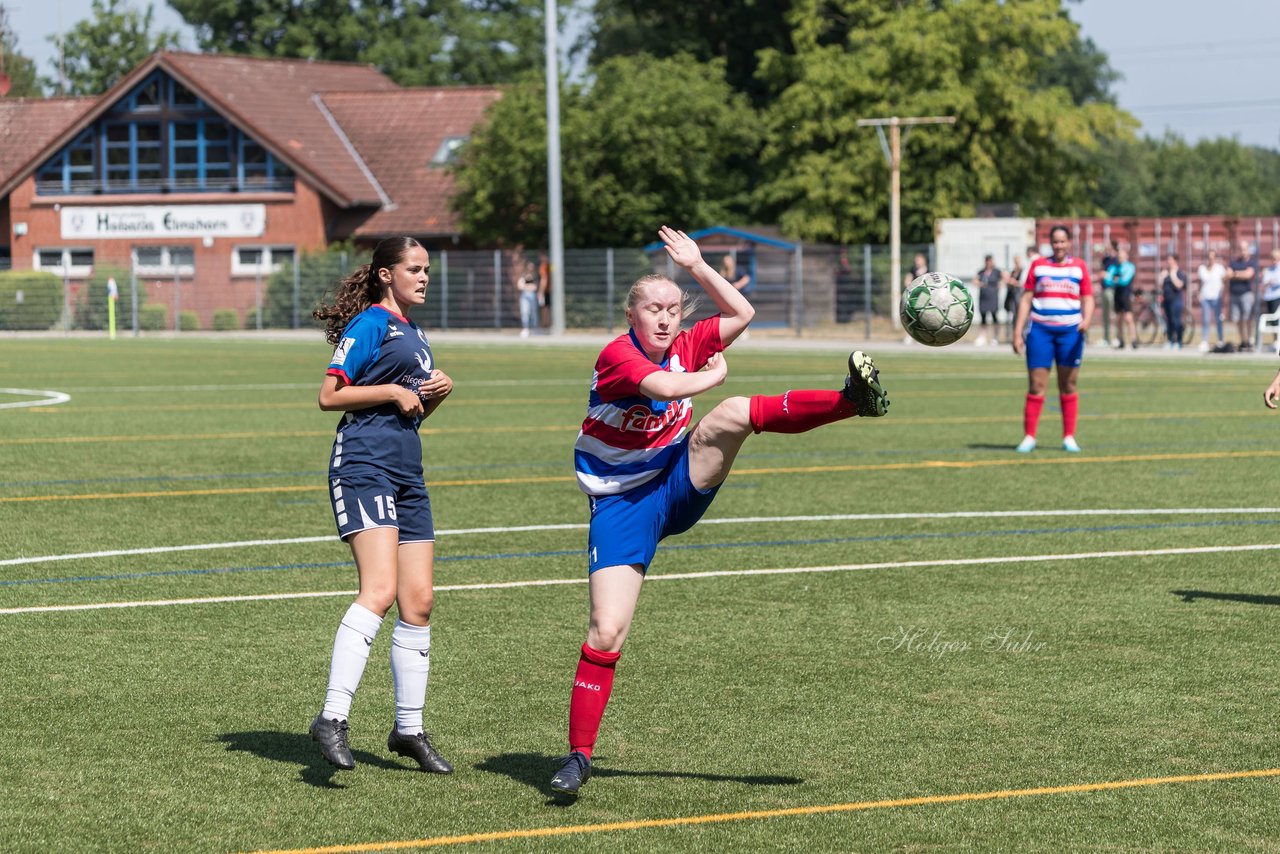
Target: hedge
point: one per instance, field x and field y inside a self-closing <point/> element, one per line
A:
<point x="29" y="300"/>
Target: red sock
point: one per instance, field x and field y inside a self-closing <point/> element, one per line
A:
<point x="1070" y="406"/>
<point x="798" y="411"/>
<point x="1031" y="413"/>
<point x="592" y="685"/>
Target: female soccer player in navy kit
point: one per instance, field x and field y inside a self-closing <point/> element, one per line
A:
<point x="1058" y="298"/>
<point x="383" y="378"/>
<point x="648" y="476"/>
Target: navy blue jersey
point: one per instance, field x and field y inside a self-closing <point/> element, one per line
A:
<point x="380" y="347"/>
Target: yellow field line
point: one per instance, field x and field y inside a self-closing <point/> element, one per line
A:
<point x="566" y="830"/>
<point x="922" y="464"/>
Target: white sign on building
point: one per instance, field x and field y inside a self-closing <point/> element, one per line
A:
<point x="163" y="221"/>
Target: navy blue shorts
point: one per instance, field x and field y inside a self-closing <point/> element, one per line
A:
<point x="370" y="500"/>
<point x="626" y="528"/>
<point x="1050" y="345"/>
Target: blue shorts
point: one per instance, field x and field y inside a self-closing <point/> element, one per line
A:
<point x="626" y="528"/>
<point x="371" y="500"/>
<point x="1050" y="345"/>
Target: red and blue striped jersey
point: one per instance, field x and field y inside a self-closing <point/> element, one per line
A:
<point x="1056" y="289"/>
<point x="627" y="438"/>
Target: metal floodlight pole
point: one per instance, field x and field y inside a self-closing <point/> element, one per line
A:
<point x="555" y="220"/>
<point x="893" y="155"/>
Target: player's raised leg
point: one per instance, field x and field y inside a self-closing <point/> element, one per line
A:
<point x="717" y="438"/>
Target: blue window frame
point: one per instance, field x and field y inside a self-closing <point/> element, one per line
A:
<point x="161" y="137"/>
<point x="200" y="154"/>
<point x="258" y="167"/>
<point x="71" y="166"/>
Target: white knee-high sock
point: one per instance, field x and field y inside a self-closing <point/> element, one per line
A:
<point x="350" y="652"/>
<point x="410" y="664"/>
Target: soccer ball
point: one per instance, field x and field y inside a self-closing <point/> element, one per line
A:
<point x="936" y="309"/>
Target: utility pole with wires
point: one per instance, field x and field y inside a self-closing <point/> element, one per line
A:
<point x="893" y="154"/>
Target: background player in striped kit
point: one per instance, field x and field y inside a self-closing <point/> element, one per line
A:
<point x="1058" y="298"/>
<point x="648" y="476"/>
<point x="383" y="378"/>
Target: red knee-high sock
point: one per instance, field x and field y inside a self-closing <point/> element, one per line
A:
<point x="1070" y="406"/>
<point x="1031" y="413"/>
<point x="798" y="411"/>
<point x="592" y="685"/>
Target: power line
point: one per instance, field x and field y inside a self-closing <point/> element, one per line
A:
<point x="1211" y="105"/>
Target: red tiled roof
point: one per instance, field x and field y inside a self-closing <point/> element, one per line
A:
<point x="345" y="128"/>
<point x="27" y="125"/>
<point x="273" y="100"/>
<point x="397" y="134"/>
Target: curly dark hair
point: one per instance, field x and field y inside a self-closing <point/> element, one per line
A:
<point x="361" y="289"/>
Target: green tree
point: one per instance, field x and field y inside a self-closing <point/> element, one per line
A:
<point x="101" y="49"/>
<point x="733" y="31"/>
<point x="414" y="42"/>
<point x="1171" y="177"/>
<point x="647" y="141"/>
<point x="21" y="70"/>
<point x="978" y="60"/>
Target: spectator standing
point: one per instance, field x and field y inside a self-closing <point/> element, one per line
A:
<point x="1212" y="276"/>
<point x="1173" y="296"/>
<point x="527" y="288"/>
<point x="1271" y="284"/>
<point x="919" y="266"/>
<point x="1012" y="292"/>
<point x="1110" y="258"/>
<point x="729" y="269"/>
<point x="544" y="287"/>
<point x="1241" y="275"/>
<point x="1119" y="277"/>
<point x="988" y="281"/>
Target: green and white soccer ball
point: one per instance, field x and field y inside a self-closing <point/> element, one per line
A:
<point x="936" y="309"/>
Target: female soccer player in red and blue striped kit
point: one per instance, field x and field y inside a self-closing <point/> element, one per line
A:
<point x="648" y="476"/>
<point x="1058" y="298"/>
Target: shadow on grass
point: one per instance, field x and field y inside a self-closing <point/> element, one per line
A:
<point x="1248" y="598"/>
<point x="987" y="446"/>
<point x="535" y="770"/>
<point x="297" y="748"/>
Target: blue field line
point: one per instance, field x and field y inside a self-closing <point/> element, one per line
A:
<point x="1013" y="532"/>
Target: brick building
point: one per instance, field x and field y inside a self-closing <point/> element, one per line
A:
<point x="219" y="169"/>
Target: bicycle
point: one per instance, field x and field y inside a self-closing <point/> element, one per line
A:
<point x="1148" y="316"/>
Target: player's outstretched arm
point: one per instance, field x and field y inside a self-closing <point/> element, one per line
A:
<point x="735" y="310"/>
<point x="665" y="385"/>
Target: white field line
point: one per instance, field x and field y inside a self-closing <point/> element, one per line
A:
<point x="734" y="520"/>
<point x="46" y="398"/>
<point x="680" y="576"/>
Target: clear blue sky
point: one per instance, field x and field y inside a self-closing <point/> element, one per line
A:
<point x="1201" y="69"/>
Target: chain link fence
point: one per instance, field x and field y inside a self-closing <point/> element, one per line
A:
<point x="811" y="287"/>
